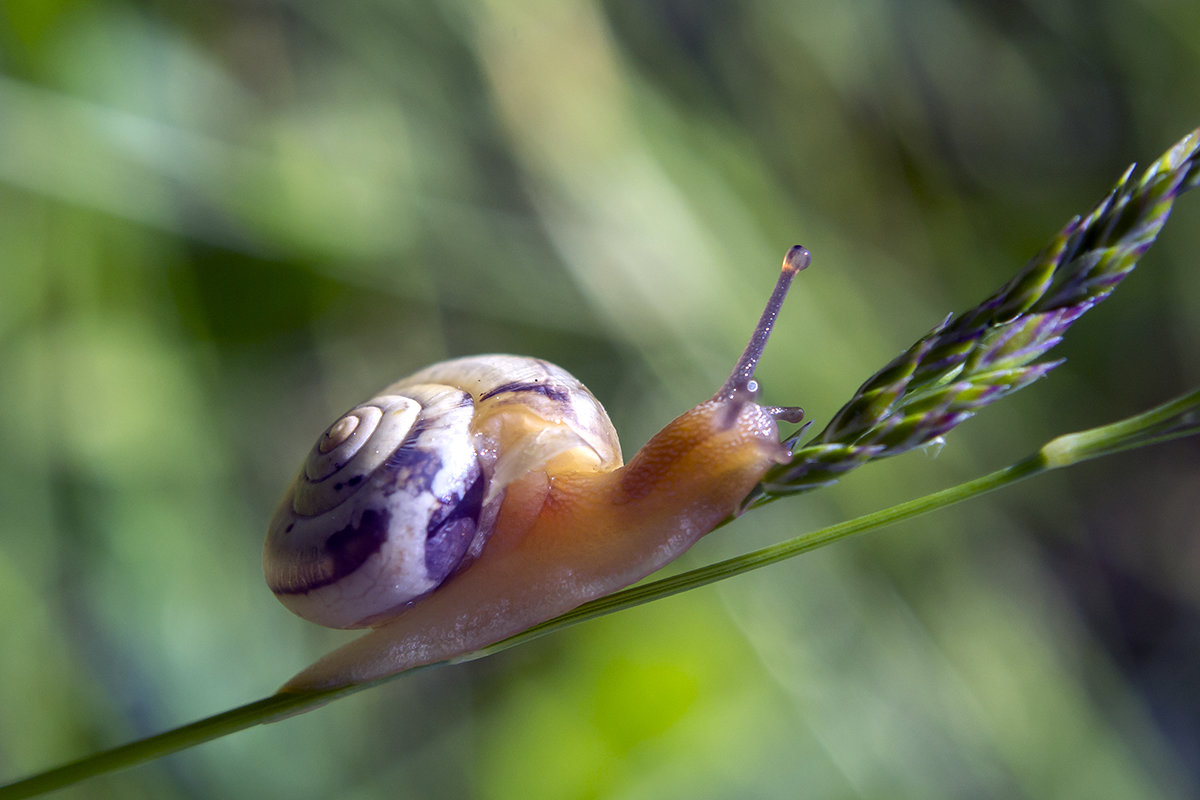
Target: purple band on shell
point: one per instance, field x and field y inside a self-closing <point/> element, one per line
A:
<point x="555" y="393"/>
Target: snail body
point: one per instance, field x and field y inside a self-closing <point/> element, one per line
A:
<point x="484" y="495"/>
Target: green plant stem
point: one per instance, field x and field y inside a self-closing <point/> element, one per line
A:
<point x="1172" y="420"/>
<point x="158" y="745"/>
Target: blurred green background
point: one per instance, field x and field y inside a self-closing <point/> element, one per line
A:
<point x="223" y="223"/>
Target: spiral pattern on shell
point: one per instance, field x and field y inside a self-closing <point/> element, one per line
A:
<point x="402" y="490"/>
<point x="394" y="477"/>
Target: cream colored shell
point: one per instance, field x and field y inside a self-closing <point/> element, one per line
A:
<point x="402" y="490"/>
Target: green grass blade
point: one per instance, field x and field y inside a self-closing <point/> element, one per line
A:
<point x="1172" y="420"/>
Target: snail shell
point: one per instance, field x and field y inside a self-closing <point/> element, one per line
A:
<point x="402" y="491"/>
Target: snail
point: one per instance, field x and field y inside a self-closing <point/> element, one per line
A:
<point x="481" y="496"/>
